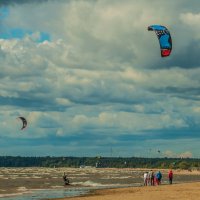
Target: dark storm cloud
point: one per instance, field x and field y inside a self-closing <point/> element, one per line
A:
<point x="192" y="6"/>
<point x="95" y="99"/>
<point x="177" y="90"/>
<point x="13" y="2"/>
<point x="14" y="101"/>
<point x="169" y="134"/>
<point x="184" y="93"/>
<point x="32" y="104"/>
<point x="187" y="57"/>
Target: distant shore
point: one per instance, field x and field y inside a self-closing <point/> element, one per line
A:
<point x="183" y="191"/>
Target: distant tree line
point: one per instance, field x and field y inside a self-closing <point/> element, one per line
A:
<point x="100" y="162"/>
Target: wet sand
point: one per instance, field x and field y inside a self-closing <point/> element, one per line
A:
<point x="185" y="191"/>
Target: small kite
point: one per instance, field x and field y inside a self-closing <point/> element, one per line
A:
<point x="24" y="122"/>
<point x="164" y="38"/>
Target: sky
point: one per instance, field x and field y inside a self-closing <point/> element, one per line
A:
<point x="88" y="77"/>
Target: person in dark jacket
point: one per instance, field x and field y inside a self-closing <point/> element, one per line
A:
<point x="152" y="178"/>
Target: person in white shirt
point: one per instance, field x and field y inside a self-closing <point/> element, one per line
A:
<point x="145" y="178"/>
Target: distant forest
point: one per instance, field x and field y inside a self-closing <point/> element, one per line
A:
<point x="100" y="162"/>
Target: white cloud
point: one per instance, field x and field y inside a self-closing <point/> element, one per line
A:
<point x="63" y="101"/>
<point x="191" y="19"/>
<point x="171" y="154"/>
<point x="186" y="154"/>
<point x="100" y="72"/>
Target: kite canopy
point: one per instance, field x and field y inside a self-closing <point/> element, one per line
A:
<point x="24" y="122"/>
<point x="164" y="38"/>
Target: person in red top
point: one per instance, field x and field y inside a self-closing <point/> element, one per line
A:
<point x="170" y="176"/>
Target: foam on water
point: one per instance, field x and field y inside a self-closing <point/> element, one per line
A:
<point x="88" y="183"/>
<point x="3" y="196"/>
<point x="22" y="189"/>
<point x="116" y="177"/>
<point x="45" y="194"/>
<point x="95" y="185"/>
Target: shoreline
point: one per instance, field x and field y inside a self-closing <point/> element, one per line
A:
<point x="46" y="181"/>
<point x="94" y="192"/>
<point x="177" y="191"/>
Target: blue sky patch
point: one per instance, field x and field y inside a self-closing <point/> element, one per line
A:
<point x="4" y="12"/>
<point x="19" y="33"/>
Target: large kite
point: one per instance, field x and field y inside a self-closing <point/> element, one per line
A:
<point x="164" y="38"/>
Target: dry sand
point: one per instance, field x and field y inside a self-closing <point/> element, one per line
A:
<point x="185" y="191"/>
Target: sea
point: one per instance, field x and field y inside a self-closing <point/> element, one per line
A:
<point x="47" y="183"/>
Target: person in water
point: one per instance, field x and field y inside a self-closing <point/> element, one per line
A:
<point x="65" y="179"/>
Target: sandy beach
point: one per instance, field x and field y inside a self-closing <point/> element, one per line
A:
<point x="185" y="191"/>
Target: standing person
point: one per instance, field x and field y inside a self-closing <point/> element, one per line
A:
<point x="152" y="178"/>
<point x="158" y="177"/>
<point x="145" y="178"/>
<point x="170" y="176"/>
<point x="65" y="179"/>
<point x="149" y="177"/>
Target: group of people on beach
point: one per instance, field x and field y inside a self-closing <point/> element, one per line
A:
<point x="151" y="178"/>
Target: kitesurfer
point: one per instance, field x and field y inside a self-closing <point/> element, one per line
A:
<point x="65" y="179"/>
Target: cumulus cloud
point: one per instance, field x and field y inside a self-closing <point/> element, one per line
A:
<point x="186" y="155"/>
<point x="171" y="154"/>
<point x="100" y="75"/>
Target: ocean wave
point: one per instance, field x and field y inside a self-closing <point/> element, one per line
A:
<point x="22" y="189"/>
<point x="99" y="185"/>
<point x="116" y="177"/>
<point x="10" y="195"/>
<point x="88" y="183"/>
